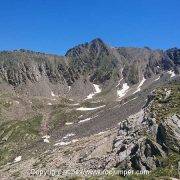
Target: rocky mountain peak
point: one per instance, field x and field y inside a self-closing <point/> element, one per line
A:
<point x="97" y="42"/>
<point x="94" y="46"/>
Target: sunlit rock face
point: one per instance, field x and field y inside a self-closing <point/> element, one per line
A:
<point x="38" y="74"/>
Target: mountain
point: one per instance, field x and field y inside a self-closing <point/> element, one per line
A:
<point x="94" y="62"/>
<point x="96" y="108"/>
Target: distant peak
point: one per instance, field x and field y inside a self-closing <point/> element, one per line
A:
<point x="98" y="43"/>
<point x="97" y="40"/>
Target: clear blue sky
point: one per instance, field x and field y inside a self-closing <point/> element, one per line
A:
<point x="53" y="26"/>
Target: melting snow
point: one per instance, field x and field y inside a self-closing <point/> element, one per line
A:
<point x="17" y="159"/>
<point x="130" y="100"/>
<point x="68" y="123"/>
<point x="139" y="86"/>
<point x="62" y="143"/>
<point x="46" y="138"/>
<point x="157" y="79"/>
<point x="84" y="120"/>
<point x="52" y="94"/>
<point x="101" y="133"/>
<point x="65" y="143"/>
<point x="76" y="104"/>
<point x="69" y="88"/>
<point x="68" y="135"/>
<point x="168" y="93"/>
<point x="119" y="82"/>
<point x="88" y="109"/>
<point x="123" y="91"/>
<point x="87" y="119"/>
<point x="172" y="73"/>
<point x="97" y="90"/>
<point x="75" y="140"/>
<point x="17" y="102"/>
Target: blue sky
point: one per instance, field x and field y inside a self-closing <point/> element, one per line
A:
<point x="54" y="26"/>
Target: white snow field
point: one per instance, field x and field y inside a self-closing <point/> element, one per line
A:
<point x="97" y="90"/>
<point x="122" y="92"/>
<point x="172" y="73"/>
<point x="139" y="86"/>
<point x="46" y="138"/>
<point x="17" y="159"/>
<point x="89" y="109"/>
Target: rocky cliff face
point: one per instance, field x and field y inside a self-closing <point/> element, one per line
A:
<point x="95" y="62"/>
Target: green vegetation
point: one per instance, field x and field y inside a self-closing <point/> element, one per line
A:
<point x="15" y="135"/>
<point x="169" y="166"/>
<point x="60" y="116"/>
<point x="164" y="105"/>
<point x="91" y="104"/>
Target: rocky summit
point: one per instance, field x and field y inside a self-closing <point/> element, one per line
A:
<point x="99" y="112"/>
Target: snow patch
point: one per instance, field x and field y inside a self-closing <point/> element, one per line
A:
<point x="46" y="138"/>
<point x="88" y="109"/>
<point x="68" y="135"/>
<point x="123" y="91"/>
<point x="97" y="90"/>
<point x="101" y="133"/>
<point x="76" y="104"/>
<point x="75" y="140"/>
<point x="50" y="104"/>
<point x="85" y="120"/>
<point x="62" y="143"/>
<point x="69" y="88"/>
<point x="172" y="73"/>
<point x="139" y="86"/>
<point x="157" y="79"/>
<point x="68" y="123"/>
<point x="52" y="94"/>
<point x="17" y="159"/>
<point x="168" y="93"/>
<point x="119" y="82"/>
<point x="130" y="100"/>
<point x="17" y="102"/>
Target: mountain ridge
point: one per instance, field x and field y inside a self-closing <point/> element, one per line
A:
<point x="94" y="61"/>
